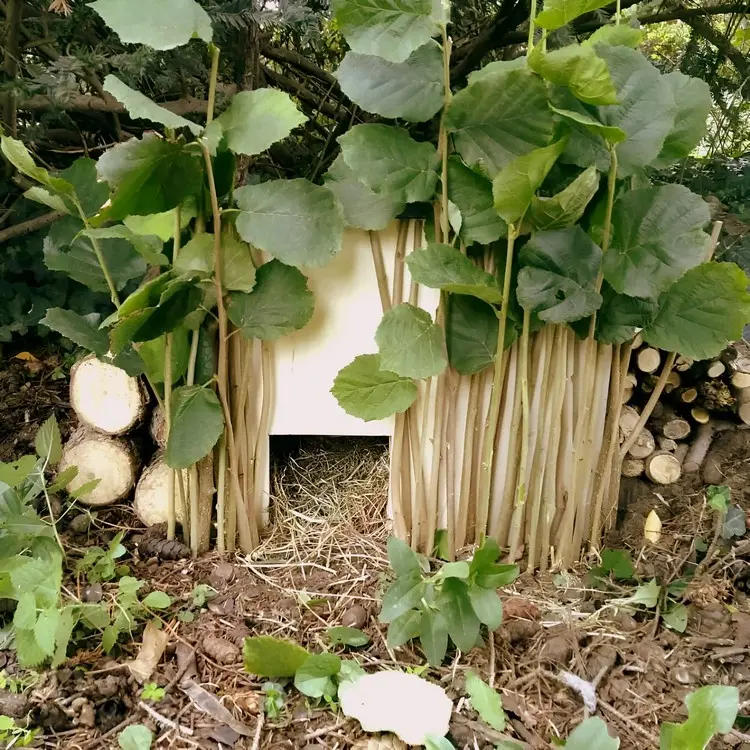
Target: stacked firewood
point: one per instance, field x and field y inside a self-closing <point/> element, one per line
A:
<point x="699" y="399"/>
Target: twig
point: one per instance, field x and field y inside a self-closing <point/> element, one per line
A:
<point x="324" y="730"/>
<point x="258" y="731"/>
<point x="630" y="723"/>
<point x="163" y="720"/>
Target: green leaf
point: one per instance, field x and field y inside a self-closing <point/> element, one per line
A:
<point x="140" y="107"/>
<point x="45" y="630"/>
<point x="410" y="344"/>
<point x="557" y="280"/>
<point x="433" y="742"/>
<point x="620" y="316"/>
<point x="433" y="636"/>
<point x="15" y="472"/>
<point x="18" y="155"/>
<point x="48" y="443"/>
<point x="149" y="247"/>
<point x="39" y="194"/>
<point x="484" y="556"/>
<point x="647" y="595"/>
<point x="24" y="618"/>
<point x="238" y="269"/>
<point x="676" y="618"/>
<point x="617" y="562"/>
<point x="620" y="35"/>
<point x="163" y="25"/>
<point x="197" y="424"/>
<point x="391" y="29"/>
<point x="566" y="207"/>
<point x="149" y="175"/>
<point x="390" y="162"/>
<point x="693" y="104"/>
<point x="361" y="207"/>
<point x="719" y="497"/>
<point x="157" y="600"/>
<point x="497" y="66"/>
<point x="471" y="330"/>
<point x="578" y="68"/>
<point x="557" y="13"/>
<point x="266" y="656"/>
<point x="486" y="701"/>
<point x="487" y="605"/>
<point x="734" y="524"/>
<point x="78" y="329"/>
<point x="460" y="619"/>
<point x="702" y="311"/>
<point x="472" y="194"/>
<point x="365" y="391"/>
<point x="255" y="120"/>
<point x="514" y="186"/>
<point x="197" y="255"/>
<point x="610" y="133"/>
<point x="153" y="353"/>
<point x="293" y="220"/>
<point x="410" y="90"/>
<point x="657" y="235"/>
<point x="498" y="118"/>
<point x="591" y="733"/>
<point x="402" y="557"/>
<point x="91" y="193"/>
<point x="345" y="636"/>
<point x="279" y="304"/>
<point x="135" y="737"/>
<point x="711" y="710"/>
<point x="496" y="576"/>
<point x="458" y="569"/>
<point x="313" y="678"/>
<point x="163" y="224"/>
<point x="443" y="267"/>
<point x="405" y="594"/>
<point x="404" y="628"/>
<point x="147" y="295"/>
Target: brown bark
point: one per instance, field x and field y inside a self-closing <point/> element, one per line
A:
<point x="27" y="227"/>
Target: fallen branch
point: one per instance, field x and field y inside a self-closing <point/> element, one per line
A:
<point x="32" y="225"/>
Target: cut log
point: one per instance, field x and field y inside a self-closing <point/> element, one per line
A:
<point x="743" y="404"/>
<point x="151" y="499"/>
<point x="667" y="444"/>
<point x="105" y="398"/>
<point x="663" y="467"/>
<point x="673" y="381"/>
<point x="716" y="369"/>
<point x="632" y="467"/>
<point x="629" y="383"/>
<point x="637" y="341"/>
<point x="681" y="451"/>
<point x="675" y="428"/>
<point x="644" y="445"/>
<point x="628" y="420"/>
<point x="112" y="461"/>
<point x="700" y="415"/>
<point x="683" y="364"/>
<point x="688" y="395"/>
<point x="698" y="450"/>
<point x="741" y="380"/>
<point x="648" y="359"/>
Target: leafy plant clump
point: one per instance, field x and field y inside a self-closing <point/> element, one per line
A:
<point x="453" y="602"/>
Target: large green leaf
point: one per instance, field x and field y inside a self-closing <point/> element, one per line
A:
<point x="161" y="25"/>
<point x="18" y="155"/>
<point x="620" y="316"/>
<point x="391" y="29"/>
<point x="410" y="90"/>
<point x="238" y="269"/>
<point x="153" y="355"/>
<point x="295" y="221"/>
<point x="472" y="194"/>
<point x="389" y="161"/>
<point x="580" y="69"/>
<point x="645" y="112"/>
<point x="406" y="593"/>
<point x="91" y="193"/>
<point x="149" y="247"/>
<point x="48" y="443"/>
<point x="515" y="185"/>
<point x="404" y="628"/>
<point x="140" y="107"/>
<point x="433" y="636"/>
<point x="410" y="344"/>
<point x="74" y="255"/>
<point x="693" y="103"/>
<point x="486" y="701"/>
<point x="566" y="207"/>
<point x="197" y="424"/>
<point x="711" y="710"/>
<point x="498" y="66"/>
<point x="361" y="207"/>
<point x="78" y="329"/>
<point x="314" y="677"/>
<point x="471" y="329"/>
<point x="616" y="35"/>
<point x="487" y="605"/>
<point x="557" y="13"/>
<point x="266" y="656"/>
<point x="149" y="175"/>
<point x="365" y="391"/>
<point x="279" y="304"/>
<point x="580" y="117"/>
<point x="460" y="618"/>
<point x="403" y="559"/>
<point x="702" y="311"/>
<point x="592" y="733"/>
<point x="255" y="120"/>
<point x="161" y="225"/>
<point x="498" y="118"/>
<point x="557" y="280"/>
<point x="657" y="234"/>
<point x="443" y="267"/>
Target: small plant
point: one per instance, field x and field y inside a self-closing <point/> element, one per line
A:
<point x="18" y="684"/>
<point x="100" y="565"/>
<point x="14" y="735"/>
<point x="730" y="520"/>
<point x="711" y="710"/>
<point x="152" y="692"/>
<point x="199" y="596"/>
<point x="453" y="602"/>
<point x="273" y="704"/>
<point x="135" y="737"/>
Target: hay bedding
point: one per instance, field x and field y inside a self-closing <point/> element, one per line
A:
<point x="325" y="554"/>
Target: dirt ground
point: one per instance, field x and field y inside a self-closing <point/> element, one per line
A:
<point x="325" y="557"/>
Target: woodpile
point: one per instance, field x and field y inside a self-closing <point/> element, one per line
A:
<point x="698" y="400"/>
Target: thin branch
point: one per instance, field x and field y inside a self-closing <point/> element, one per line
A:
<point x="297" y="89"/>
<point x="290" y="57"/>
<point x="27" y="227"/>
<point x="722" y="44"/>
